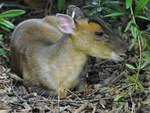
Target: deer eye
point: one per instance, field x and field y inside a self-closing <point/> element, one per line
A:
<point x="99" y="33"/>
<point x="101" y="36"/>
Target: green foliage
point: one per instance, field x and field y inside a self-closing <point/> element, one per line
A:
<point x="103" y="7"/>
<point x="4" y="53"/>
<point x="134" y="29"/>
<point x="138" y="36"/>
<point x="60" y="4"/>
<point x="6" y="25"/>
<point x="112" y="9"/>
<point x="141" y="5"/>
<point x="130" y="66"/>
<point x="143" y="17"/>
<point x="128" y="4"/>
<point x="134" y="81"/>
<point x="119" y="97"/>
<point x="147" y="55"/>
<point x="1" y="36"/>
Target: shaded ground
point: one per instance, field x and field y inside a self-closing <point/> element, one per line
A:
<point x="106" y="79"/>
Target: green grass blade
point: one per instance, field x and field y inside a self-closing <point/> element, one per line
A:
<point x="6" y="23"/>
<point x="115" y="14"/>
<point x="12" y="13"/>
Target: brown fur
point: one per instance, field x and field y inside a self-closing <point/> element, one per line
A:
<point x="45" y="56"/>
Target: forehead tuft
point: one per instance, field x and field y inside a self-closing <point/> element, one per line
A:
<point x="92" y="26"/>
<point x="105" y="26"/>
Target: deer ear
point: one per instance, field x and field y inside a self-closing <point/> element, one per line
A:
<point x="65" y="23"/>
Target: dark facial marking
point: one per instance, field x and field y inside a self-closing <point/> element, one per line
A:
<point x="99" y="33"/>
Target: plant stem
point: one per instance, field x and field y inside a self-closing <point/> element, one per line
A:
<point x="139" y="43"/>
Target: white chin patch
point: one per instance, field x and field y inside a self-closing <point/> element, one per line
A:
<point x="115" y="56"/>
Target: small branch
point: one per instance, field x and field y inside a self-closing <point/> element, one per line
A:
<point x="81" y="108"/>
<point x="139" y="43"/>
<point x="15" y="77"/>
<point x="133" y="105"/>
<point x="29" y="95"/>
<point x="140" y="50"/>
<point x="18" y="6"/>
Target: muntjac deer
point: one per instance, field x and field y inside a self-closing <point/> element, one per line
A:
<point x="52" y="51"/>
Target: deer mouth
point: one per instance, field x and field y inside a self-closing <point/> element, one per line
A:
<point x="118" y="57"/>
